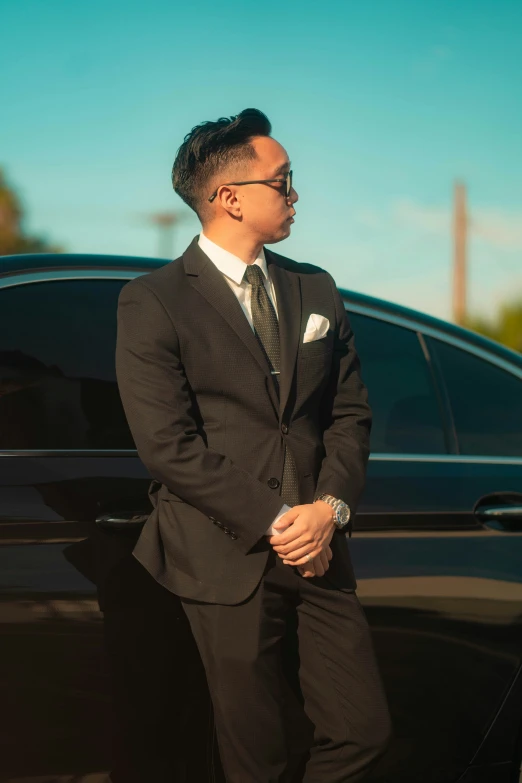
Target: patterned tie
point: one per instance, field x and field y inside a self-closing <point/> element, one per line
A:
<point x="266" y="328"/>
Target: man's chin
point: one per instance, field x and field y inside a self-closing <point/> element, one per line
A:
<point x="284" y="234"/>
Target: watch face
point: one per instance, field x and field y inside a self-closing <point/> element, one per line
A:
<point x="343" y="514"/>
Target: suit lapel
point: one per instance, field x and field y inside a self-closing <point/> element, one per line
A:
<point x="288" y="294"/>
<point x="208" y="280"/>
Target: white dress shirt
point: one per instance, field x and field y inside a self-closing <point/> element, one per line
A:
<point x="233" y="268"/>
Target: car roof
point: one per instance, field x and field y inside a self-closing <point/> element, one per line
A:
<point x="42" y="261"/>
<point x="27" y="262"/>
<point x="400" y="313"/>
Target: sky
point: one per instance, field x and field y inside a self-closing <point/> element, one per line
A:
<point x="382" y="105"/>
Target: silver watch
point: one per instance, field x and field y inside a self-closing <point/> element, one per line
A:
<point x="340" y="508"/>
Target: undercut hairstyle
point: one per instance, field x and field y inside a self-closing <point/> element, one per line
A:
<point x="212" y="147"/>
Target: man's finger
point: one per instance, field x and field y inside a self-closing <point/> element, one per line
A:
<point x="301" y="544"/>
<point x="295" y="554"/>
<point x="303" y="560"/>
<point x="287" y="536"/>
<point x="305" y="539"/>
<point x="300" y="557"/>
<point x="324" y="560"/>
<point x="318" y="566"/>
<point x="287" y="518"/>
<point x="296" y="551"/>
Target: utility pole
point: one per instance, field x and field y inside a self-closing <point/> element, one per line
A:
<point x="460" y="228"/>
<point x="165" y="221"/>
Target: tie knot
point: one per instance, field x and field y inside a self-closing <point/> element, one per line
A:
<point x="254" y="275"/>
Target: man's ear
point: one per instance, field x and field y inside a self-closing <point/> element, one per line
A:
<point x="228" y="200"/>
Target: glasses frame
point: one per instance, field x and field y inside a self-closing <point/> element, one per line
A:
<point x="287" y="181"/>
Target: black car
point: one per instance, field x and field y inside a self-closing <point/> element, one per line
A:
<point x="437" y="547"/>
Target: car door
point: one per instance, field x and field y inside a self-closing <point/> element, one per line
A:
<point x="73" y="497"/>
<point x="439" y="581"/>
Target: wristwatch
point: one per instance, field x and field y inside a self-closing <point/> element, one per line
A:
<point x="341" y="510"/>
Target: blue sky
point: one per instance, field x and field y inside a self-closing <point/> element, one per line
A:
<point x="381" y="106"/>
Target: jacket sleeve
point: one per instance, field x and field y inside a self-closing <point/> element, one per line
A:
<point x="346" y="417"/>
<point x="161" y="413"/>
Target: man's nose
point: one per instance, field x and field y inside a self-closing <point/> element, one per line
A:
<point x="294" y="196"/>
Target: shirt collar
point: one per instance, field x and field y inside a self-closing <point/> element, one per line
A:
<point x="227" y="263"/>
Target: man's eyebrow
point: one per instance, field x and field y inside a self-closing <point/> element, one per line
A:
<point x="283" y="169"/>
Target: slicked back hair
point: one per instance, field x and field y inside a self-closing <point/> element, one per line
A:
<point x="211" y="147"/>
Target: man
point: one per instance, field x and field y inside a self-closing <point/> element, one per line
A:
<point x="241" y="384"/>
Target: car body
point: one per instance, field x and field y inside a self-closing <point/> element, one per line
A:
<point x="437" y="547"/>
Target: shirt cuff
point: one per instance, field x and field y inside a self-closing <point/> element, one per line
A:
<point x="271" y="531"/>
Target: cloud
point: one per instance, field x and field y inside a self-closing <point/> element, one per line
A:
<point x="435" y="220"/>
<point x="411" y="244"/>
<point x="500" y="229"/>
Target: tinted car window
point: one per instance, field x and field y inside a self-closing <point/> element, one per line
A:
<point x="486" y="402"/>
<point x="406" y="416"/>
<point x="57" y="378"/>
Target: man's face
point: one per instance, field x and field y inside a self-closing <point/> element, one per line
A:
<point x="265" y="212"/>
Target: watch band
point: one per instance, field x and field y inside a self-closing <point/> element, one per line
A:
<point x="338" y="506"/>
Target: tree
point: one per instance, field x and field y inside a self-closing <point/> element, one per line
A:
<point x="13" y="239"/>
<point x="510" y="325"/>
<point x="505" y="329"/>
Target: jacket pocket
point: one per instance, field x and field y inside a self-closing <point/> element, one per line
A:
<point x="317" y="348"/>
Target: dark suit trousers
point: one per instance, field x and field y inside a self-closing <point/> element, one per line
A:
<point x="317" y="714"/>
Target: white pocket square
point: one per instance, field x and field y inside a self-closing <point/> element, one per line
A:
<point x="316" y="328"/>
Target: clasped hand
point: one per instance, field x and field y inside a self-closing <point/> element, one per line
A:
<point x="307" y="530"/>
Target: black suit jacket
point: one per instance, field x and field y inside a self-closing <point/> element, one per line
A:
<point x="208" y="425"/>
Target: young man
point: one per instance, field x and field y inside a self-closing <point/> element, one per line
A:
<point x="241" y="384"/>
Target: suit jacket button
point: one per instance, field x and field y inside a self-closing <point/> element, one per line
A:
<point x="284" y="429"/>
<point x="273" y="483"/>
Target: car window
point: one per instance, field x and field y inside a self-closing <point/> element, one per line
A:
<point x="406" y="415"/>
<point x="57" y="377"/>
<point x="486" y="403"/>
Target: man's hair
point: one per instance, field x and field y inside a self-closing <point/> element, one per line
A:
<point x="212" y="147"/>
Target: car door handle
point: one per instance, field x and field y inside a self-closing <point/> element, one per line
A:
<point x="121" y="520"/>
<point x="501" y="517"/>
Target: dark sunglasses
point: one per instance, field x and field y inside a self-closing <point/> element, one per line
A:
<point x="287" y="182"/>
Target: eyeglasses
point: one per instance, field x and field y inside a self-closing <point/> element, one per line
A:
<point x="287" y="182"/>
